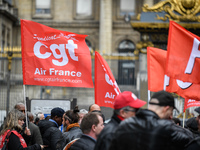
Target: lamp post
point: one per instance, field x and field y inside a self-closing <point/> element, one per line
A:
<point x="10" y="54"/>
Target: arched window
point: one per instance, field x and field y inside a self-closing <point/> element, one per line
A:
<point x="88" y="44"/>
<point x="126" y="68"/>
<point x="126" y="46"/>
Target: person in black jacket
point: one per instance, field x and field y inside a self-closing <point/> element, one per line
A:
<point x="71" y="126"/>
<point x="152" y="129"/>
<point x="50" y="128"/>
<point x="91" y="125"/>
<point x="12" y="128"/>
<point x="126" y="105"/>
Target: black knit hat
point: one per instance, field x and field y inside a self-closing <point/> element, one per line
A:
<point x="164" y="99"/>
<point x="197" y="110"/>
<point x="57" y="112"/>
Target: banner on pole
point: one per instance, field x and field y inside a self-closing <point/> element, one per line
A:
<point x="183" y="55"/>
<point x="52" y="57"/>
<point x="106" y="87"/>
<point x="190" y="103"/>
<point x="156" y="59"/>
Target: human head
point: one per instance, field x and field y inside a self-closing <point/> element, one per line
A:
<point x="162" y="103"/>
<point x="70" y="117"/>
<point x="126" y="104"/>
<point x="81" y="114"/>
<point x="30" y="116"/>
<point x="40" y="115"/>
<point x="12" y="121"/>
<point x="92" y="124"/>
<point x="20" y="107"/>
<point x="94" y="107"/>
<point x="57" y="114"/>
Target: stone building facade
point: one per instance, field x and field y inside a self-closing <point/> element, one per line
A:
<point x="108" y="24"/>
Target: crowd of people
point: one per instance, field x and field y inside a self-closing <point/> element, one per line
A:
<point x="131" y="127"/>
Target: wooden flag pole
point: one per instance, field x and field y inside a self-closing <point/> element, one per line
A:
<point x="184" y="119"/>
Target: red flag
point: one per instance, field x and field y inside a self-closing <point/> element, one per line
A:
<point x="156" y="59"/>
<point x="190" y="103"/>
<point x="106" y="87"/>
<point x="156" y="67"/>
<point x="184" y="89"/>
<point x="53" y="57"/>
<point x="183" y="56"/>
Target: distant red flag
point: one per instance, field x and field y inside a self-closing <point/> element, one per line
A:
<point x="183" y="55"/>
<point x="184" y="89"/>
<point x="156" y="59"/>
<point x="190" y="103"/>
<point x="52" y="57"/>
<point x="106" y="87"/>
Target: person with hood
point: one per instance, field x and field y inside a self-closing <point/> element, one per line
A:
<point x="50" y="128"/>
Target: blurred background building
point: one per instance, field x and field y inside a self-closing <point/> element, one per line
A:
<point x="119" y="29"/>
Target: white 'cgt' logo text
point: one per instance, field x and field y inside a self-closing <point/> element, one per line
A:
<point x="61" y="47"/>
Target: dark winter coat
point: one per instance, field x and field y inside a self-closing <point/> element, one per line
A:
<point x="106" y="135"/>
<point x="73" y="133"/>
<point x="15" y="144"/>
<point x="147" y="131"/>
<point x="50" y="134"/>
<point x="84" y="143"/>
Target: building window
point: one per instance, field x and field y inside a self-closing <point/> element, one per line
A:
<point x="43" y="7"/>
<point x="8" y="38"/>
<point x="126" y="68"/>
<point x="83" y="9"/>
<point x="3" y="33"/>
<point x="127" y="7"/>
<point x="126" y="46"/>
<point x="88" y="44"/>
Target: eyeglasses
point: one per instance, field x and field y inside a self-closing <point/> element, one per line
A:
<point x="22" y="111"/>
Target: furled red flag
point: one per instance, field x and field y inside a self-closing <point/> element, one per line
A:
<point x="106" y="87"/>
<point x="156" y="59"/>
<point x="52" y="57"/>
<point x="183" y="56"/>
<point x="190" y="103"/>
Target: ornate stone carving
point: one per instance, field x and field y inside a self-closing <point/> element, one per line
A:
<point x="178" y="10"/>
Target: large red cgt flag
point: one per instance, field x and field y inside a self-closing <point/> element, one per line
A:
<point x="106" y="87"/>
<point x="183" y="56"/>
<point x="53" y="57"/>
<point x="190" y="103"/>
<point x="156" y="59"/>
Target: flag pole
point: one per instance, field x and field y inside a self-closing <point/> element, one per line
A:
<point x="184" y="119"/>
<point x="25" y="105"/>
<point x="149" y="93"/>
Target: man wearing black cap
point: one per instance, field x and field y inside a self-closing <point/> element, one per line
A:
<point x="151" y="129"/>
<point x="50" y="128"/>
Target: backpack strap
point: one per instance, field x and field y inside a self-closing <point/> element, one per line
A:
<point x="7" y="138"/>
